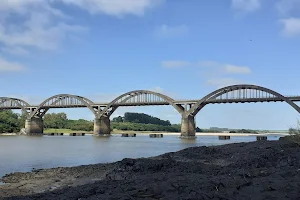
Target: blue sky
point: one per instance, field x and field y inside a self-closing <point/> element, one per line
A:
<point x="182" y="48"/>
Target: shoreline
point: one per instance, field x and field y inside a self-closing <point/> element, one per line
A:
<point x="171" y="133"/>
<point x="8" y="134"/>
<point x="209" y="134"/>
<point x="233" y="171"/>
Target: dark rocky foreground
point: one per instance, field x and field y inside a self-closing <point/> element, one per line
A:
<point x="256" y="170"/>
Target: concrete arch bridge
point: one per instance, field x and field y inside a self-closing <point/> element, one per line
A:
<point x="188" y="109"/>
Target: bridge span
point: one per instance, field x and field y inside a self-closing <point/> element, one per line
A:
<point x="188" y="109"/>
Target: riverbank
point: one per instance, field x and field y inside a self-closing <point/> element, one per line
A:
<point x="8" y="134"/>
<point x="255" y="170"/>
<point x="156" y="132"/>
<point x="67" y="131"/>
<point x="204" y="134"/>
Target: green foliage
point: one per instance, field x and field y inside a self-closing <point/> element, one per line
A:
<point x="60" y="121"/>
<point x="80" y="125"/>
<point x="143" y="122"/>
<point x="55" y="120"/>
<point x="141" y="118"/>
<point x="246" y="131"/>
<point x="210" y="131"/>
<point x="295" y="134"/>
<point x="118" y="119"/>
<point x="9" y="121"/>
<point x="144" y="127"/>
<point x="199" y="130"/>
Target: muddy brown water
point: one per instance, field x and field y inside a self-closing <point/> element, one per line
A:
<point x="22" y="154"/>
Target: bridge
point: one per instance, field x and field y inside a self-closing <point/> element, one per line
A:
<point x="188" y="109"/>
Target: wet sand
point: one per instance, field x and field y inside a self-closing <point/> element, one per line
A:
<point x="254" y="170"/>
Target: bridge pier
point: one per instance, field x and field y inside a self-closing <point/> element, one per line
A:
<point x="34" y="126"/>
<point x="102" y="126"/>
<point x="188" y="127"/>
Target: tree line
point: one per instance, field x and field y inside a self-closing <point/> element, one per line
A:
<point x="142" y="122"/>
<point x="141" y="118"/>
<point x="60" y="121"/>
<point x="13" y="122"/>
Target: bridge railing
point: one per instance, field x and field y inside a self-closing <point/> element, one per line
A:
<point x="14" y="105"/>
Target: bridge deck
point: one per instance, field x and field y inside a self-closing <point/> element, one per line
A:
<point x="181" y="102"/>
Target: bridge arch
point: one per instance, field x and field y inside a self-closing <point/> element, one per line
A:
<point x="14" y="102"/>
<point x="217" y="93"/>
<point x="139" y="96"/>
<point x="63" y="99"/>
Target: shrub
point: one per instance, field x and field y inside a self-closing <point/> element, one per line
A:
<point x="295" y="134"/>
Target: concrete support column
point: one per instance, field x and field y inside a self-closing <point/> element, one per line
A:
<point x="188" y="127"/>
<point x="102" y="126"/>
<point x="34" y="126"/>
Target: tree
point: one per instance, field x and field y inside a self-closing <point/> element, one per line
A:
<point x="118" y="119"/>
<point x="198" y="130"/>
<point x="144" y="119"/>
<point x="80" y="125"/>
<point x="55" y="120"/>
<point x="9" y="121"/>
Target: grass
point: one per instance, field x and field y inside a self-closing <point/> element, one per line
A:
<point x="115" y="131"/>
<point x="52" y="130"/>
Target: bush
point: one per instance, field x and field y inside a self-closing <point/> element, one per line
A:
<point x="295" y="134"/>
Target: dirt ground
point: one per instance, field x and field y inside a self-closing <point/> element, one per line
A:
<point x="256" y="170"/>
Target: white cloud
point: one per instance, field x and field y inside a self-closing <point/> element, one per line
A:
<point x="38" y="24"/>
<point x="291" y="26"/>
<point x="225" y="68"/>
<point x="114" y="7"/>
<point x="213" y="72"/>
<point x="175" y="64"/>
<point x="286" y="6"/>
<point x="19" y="51"/>
<point x="157" y="89"/>
<point x="209" y="63"/>
<point x="6" y="66"/>
<point x="221" y="67"/>
<point x="171" y="31"/>
<point x="237" y="69"/>
<point x="223" y="82"/>
<point x="110" y="7"/>
<point x="36" y="34"/>
<point x="245" y="6"/>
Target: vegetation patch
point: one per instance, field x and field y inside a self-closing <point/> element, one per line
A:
<point x="295" y="134"/>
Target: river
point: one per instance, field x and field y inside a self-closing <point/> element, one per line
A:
<point x="22" y="153"/>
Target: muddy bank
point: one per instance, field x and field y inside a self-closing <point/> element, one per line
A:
<point x="256" y="170"/>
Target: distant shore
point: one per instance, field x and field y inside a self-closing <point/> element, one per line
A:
<point x="204" y="134"/>
<point x="157" y="132"/>
<point x="8" y="134"/>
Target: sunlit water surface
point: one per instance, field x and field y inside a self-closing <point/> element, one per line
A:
<point x="21" y="153"/>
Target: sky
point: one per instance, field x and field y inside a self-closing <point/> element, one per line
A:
<point x="185" y="49"/>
